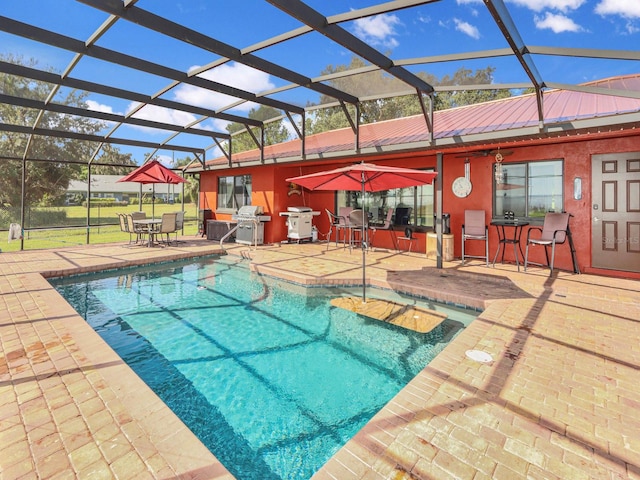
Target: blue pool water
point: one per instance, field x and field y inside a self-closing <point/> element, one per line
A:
<point x="271" y="377"/>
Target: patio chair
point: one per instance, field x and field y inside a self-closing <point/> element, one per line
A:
<point x="475" y="228"/>
<point x="387" y="225"/>
<point x="179" y="224"/>
<point x="554" y="231"/>
<point x="403" y="215"/>
<point x="137" y="230"/>
<point x="340" y="225"/>
<point x="124" y="226"/>
<point x="167" y="226"/>
<point x="358" y="222"/>
<point x="374" y="214"/>
<point x="344" y="212"/>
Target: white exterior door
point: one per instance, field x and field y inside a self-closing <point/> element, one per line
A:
<point x="615" y="214"/>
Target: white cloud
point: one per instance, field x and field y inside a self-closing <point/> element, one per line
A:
<point x="99" y="107"/>
<point x="378" y="30"/>
<point x="556" y="23"/>
<point x="467" y="29"/>
<point x="561" y="5"/>
<point x="232" y="74"/>
<point x="292" y="131"/>
<point x="165" y="160"/>
<point x="631" y="28"/>
<point x="624" y="8"/>
<point x="160" y="114"/>
<point x="474" y="11"/>
<point x="218" y="125"/>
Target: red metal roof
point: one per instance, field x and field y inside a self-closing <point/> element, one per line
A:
<point x="560" y="106"/>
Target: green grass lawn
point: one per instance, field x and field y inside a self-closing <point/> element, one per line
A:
<point x="105" y="227"/>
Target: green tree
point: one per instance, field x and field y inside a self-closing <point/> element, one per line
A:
<point x="274" y="132"/>
<point x="459" y="98"/>
<point x="191" y="187"/>
<point x="114" y="159"/>
<point x="47" y="174"/>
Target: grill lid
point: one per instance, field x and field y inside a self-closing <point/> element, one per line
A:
<point x="299" y="209"/>
<point x="250" y="211"/>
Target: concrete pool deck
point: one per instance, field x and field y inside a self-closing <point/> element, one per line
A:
<point x="560" y="397"/>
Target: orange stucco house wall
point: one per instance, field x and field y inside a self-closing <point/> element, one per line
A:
<point x="270" y="190"/>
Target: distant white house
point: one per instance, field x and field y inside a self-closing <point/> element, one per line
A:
<point x="107" y="186"/>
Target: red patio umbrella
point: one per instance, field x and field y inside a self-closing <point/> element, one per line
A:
<point x="366" y="177"/>
<point x="152" y="172"/>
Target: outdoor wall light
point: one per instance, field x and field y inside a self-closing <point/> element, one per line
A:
<point x="577" y="188"/>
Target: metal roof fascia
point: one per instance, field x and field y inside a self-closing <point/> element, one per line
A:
<point x="608" y="122"/>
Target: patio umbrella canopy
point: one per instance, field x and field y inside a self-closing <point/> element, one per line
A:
<point x="152" y="172"/>
<point x="366" y="177"/>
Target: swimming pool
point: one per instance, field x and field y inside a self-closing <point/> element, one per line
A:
<point x="267" y="374"/>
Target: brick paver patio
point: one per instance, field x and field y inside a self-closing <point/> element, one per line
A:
<point x="560" y="398"/>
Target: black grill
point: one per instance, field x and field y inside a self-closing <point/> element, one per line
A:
<point x="203" y="216"/>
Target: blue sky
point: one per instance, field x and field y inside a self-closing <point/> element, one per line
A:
<point x="440" y="28"/>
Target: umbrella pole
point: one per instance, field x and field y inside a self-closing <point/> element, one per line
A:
<point x="153" y="200"/>
<point x="362" y="237"/>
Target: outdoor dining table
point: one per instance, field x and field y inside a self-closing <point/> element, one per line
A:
<point x="514" y="237"/>
<point x="150" y="226"/>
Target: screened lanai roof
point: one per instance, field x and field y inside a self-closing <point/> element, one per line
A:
<point x="168" y="76"/>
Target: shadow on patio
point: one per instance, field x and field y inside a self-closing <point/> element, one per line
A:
<point x="551" y="404"/>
